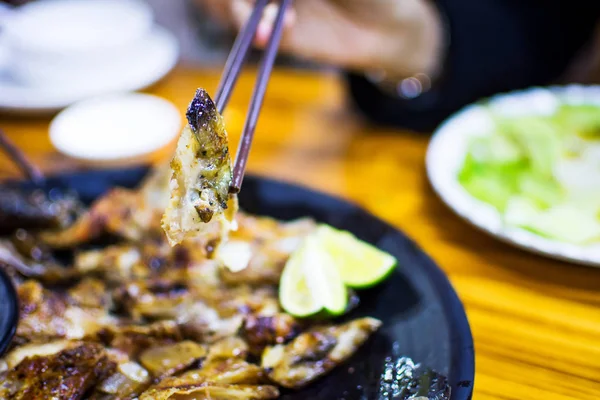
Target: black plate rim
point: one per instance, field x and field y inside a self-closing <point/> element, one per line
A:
<point x="463" y="354"/>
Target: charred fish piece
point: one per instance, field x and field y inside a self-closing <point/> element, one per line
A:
<point x="37" y="209"/>
<point x="121" y="213"/>
<point x="201" y="175"/>
<point x="50" y="315"/>
<point x="315" y="352"/>
<point x="37" y="263"/>
<point x="68" y="374"/>
<point x="172" y="390"/>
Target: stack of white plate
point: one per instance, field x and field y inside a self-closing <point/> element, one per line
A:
<point x="56" y="52"/>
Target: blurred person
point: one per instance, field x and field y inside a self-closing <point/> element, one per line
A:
<point x="411" y="63"/>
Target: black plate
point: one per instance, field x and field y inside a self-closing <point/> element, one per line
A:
<point x="9" y="311"/>
<point x="421" y="313"/>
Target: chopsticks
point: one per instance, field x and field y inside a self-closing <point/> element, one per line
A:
<point x="17" y="156"/>
<point x="232" y="71"/>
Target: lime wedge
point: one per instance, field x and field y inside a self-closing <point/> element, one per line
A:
<point x="360" y="264"/>
<point x="310" y="282"/>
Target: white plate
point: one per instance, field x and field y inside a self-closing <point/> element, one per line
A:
<point x="448" y="147"/>
<point x="154" y="58"/>
<point x="115" y="129"/>
<point x="72" y="26"/>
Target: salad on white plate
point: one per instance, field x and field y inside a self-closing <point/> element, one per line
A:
<point x="525" y="166"/>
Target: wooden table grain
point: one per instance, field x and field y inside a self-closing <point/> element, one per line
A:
<point x="535" y="322"/>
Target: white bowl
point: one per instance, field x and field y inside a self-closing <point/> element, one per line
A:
<point x="115" y="129"/>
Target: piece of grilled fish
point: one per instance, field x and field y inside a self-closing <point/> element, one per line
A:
<point x="224" y="375"/>
<point x="173" y="390"/>
<point x="126" y="383"/>
<point x="201" y="175"/>
<point x="47" y="315"/>
<point x="169" y="359"/>
<point x="127" y="214"/>
<point x="269" y="244"/>
<point x="121" y="212"/>
<point x="67" y="374"/>
<point x="36" y="209"/>
<point x="19" y="266"/>
<point x="316" y="352"/>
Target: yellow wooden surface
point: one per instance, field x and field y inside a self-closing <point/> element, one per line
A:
<point x="536" y="322"/>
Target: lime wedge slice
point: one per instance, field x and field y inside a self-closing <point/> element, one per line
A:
<point x="360" y="264"/>
<point x="310" y="282"/>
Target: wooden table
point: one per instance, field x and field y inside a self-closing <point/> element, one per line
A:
<point x="536" y="322"/>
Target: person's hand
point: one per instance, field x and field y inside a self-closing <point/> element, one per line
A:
<point x="399" y="37"/>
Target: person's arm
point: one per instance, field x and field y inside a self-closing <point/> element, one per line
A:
<point x="494" y="46"/>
